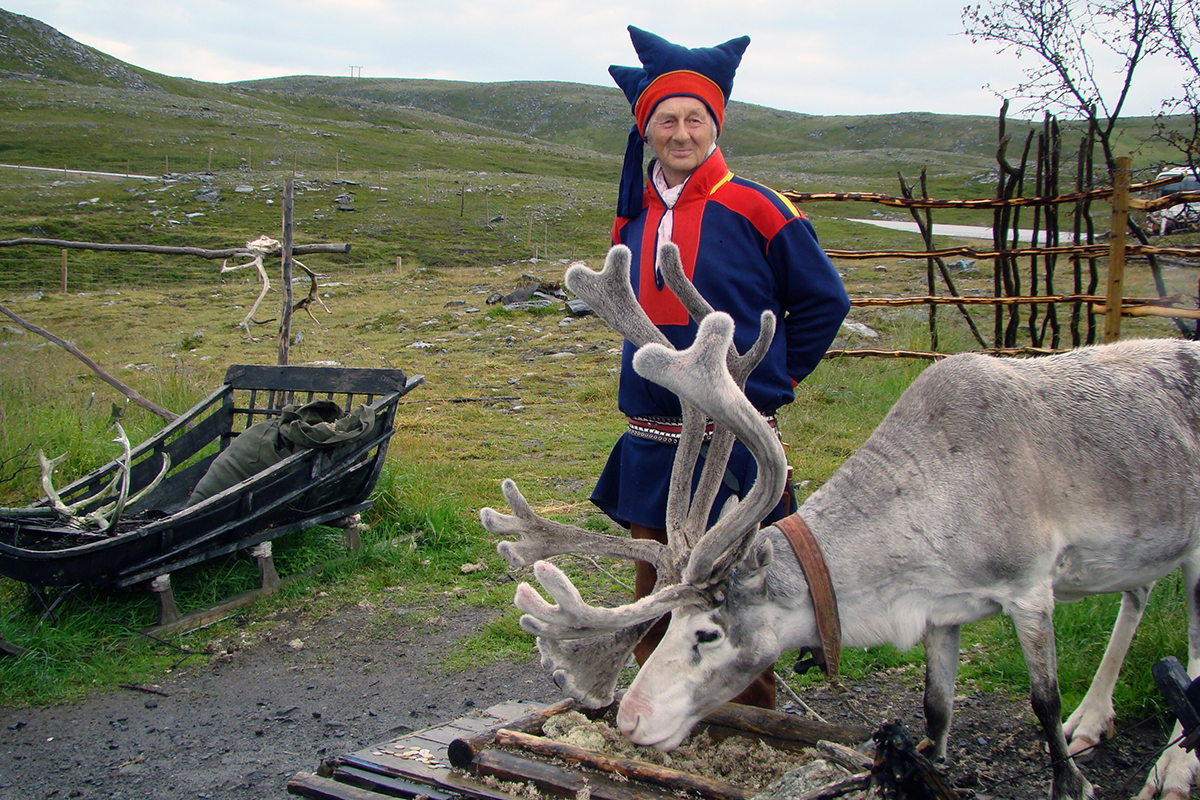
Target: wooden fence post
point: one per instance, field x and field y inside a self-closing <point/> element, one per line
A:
<point x="64" y="271"/>
<point x="285" y="319"/>
<point x="1116" y="250"/>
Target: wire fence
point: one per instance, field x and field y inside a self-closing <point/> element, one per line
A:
<point x="48" y="270"/>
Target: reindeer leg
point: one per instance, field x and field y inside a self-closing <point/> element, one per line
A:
<point x="1034" y="621"/>
<point x="1095" y="713"/>
<point x="942" y="646"/>
<point x="1176" y="770"/>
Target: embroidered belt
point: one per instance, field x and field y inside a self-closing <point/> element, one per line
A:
<point x="668" y="429"/>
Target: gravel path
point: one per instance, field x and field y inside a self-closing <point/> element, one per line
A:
<point x="238" y="726"/>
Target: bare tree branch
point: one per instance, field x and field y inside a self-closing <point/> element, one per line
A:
<point x="104" y="376"/>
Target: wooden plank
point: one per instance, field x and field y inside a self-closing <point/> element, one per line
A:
<point x="670" y="779"/>
<point x="394" y="757"/>
<point x="469" y="725"/>
<point x="305" y="784"/>
<point x="469" y="786"/>
<point x="387" y="785"/>
<point x="559" y="781"/>
<point x="385" y="779"/>
<point x="462" y="751"/>
<point x="446" y="734"/>
<point x="316" y="379"/>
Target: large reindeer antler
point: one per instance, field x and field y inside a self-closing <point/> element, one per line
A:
<point x="587" y="646"/>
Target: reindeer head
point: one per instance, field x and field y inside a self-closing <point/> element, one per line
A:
<point x="705" y="659"/>
<point x="708" y="654"/>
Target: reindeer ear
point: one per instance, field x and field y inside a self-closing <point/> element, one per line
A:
<point x="753" y="569"/>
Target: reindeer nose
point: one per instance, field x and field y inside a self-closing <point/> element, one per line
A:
<point x="627" y="721"/>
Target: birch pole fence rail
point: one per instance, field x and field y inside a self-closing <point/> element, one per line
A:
<point x="169" y="250"/>
<point x="1033" y="289"/>
<point x="287" y="249"/>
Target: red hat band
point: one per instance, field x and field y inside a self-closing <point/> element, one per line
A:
<point x="679" y="83"/>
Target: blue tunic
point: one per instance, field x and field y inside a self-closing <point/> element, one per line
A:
<point x="747" y="249"/>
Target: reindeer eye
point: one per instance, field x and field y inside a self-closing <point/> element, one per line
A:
<point x="704" y="637"/>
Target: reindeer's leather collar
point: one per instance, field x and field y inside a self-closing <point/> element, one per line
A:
<point x="829" y="626"/>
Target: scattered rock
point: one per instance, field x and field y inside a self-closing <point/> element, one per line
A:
<point x="860" y="329"/>
<point x="519" y="295"/>
<point x="578" y="308"/>
<point x="528" y="305"/>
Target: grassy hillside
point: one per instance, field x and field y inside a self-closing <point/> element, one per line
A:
<point x="436" y="173"/>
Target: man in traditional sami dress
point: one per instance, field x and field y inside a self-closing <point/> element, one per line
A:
<point x="745" y="247"/>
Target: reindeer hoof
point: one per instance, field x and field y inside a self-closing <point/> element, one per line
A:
<point x="1083" y="749"/>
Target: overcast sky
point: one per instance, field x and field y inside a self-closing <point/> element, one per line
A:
<point x="814" y="56"/>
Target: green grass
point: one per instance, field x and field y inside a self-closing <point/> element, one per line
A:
<point x="499" y="401"/>
<point x="446" y="462"/>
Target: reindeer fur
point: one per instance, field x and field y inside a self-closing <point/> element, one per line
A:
<point x="991" y="486"/>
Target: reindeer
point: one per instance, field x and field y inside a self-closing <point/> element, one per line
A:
<point x="991" y="487"/>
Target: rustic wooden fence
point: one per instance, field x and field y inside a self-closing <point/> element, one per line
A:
<point x="1031" y="299"/>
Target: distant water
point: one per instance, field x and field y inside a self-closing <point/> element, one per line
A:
<point x="84" y="172"/>
<point x="954" y="231"/>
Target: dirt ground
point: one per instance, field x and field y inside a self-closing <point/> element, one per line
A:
<point x="237" y="727"/>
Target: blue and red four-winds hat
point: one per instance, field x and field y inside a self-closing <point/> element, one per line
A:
<point x="669" y="70"/>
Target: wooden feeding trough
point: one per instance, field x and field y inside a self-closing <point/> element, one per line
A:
<point x="456" y="760"/>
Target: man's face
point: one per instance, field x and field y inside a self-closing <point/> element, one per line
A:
<point x="681" y="131"/>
